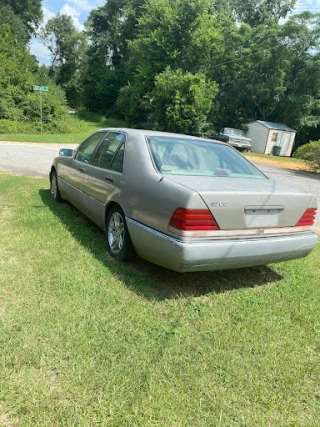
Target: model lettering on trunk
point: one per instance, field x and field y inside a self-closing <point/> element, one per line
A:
<point x="218" y="204"/>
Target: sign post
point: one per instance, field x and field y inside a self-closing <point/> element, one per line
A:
<point x="41" y="89"/>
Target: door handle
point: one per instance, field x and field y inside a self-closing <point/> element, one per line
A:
<point x="109" y="178"/>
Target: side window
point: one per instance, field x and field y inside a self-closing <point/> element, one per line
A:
<point x="88" y="146"/>
<point x="117" y="163"/>
<point x="108" y="148"/>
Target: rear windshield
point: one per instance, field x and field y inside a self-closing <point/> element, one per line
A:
<point x="198" y="157"/>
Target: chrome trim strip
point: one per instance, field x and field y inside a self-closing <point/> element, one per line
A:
<point x="223" y="234"/>
<point x="245" y="233"/>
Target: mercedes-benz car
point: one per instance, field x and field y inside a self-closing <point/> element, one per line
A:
<point x="183" y="202"/>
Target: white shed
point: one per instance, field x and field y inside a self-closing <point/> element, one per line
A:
<point x="271" y="138"/>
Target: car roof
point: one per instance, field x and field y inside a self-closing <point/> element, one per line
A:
<point x="148" y="132"/>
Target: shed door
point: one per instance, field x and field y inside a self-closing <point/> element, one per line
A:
<point x="285" y="143"/>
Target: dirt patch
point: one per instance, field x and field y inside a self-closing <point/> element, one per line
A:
<point x="5" y="419"/>
<point x="285" y="164"/>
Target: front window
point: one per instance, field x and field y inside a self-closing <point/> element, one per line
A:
<point x="88" y="146"/>
<point x="198" y="157"/>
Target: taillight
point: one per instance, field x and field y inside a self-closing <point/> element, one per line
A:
<point x="308" y="217"/>
<point x="193" y="220"/>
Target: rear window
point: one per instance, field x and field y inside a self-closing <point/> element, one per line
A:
<point x="198" y="157"/>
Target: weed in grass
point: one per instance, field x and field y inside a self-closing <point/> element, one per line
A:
<point x="88" y="341"/>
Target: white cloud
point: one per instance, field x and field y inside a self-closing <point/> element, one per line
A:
<point x="312" y="6"/>
<point x="74" y="13"/>
<point x="83" y="5"/>
<point x="40" y="51"/>
<point x="47" y="14"/>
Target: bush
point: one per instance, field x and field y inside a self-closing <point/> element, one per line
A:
<point x="14" y="126"/>
<point x="181" y="102"/>
<point x="310" y="153"/>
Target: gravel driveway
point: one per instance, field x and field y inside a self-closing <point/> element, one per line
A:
<point x="32" y="159"/>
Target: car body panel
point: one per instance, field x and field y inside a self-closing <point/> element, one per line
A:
<point x="230" y="201"/>
<point x="256" y="216"/>
<point x="213" y="254"/>
<point x="98" y="185"/>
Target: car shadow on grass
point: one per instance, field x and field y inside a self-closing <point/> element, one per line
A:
<point x="149" y="280"/>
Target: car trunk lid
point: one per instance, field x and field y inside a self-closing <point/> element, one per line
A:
<point x="239" y="203"/>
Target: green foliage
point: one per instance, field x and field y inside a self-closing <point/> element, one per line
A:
<point x="18" y="28"/>
<point x="109" y="29"/>
<point x="181" y="102"/>
<point x="129" y="103"/>
<point x="29" y="11"/>
<point x="256" y="12"/>
<point x="19" y="103"/>
<point x="310" y="153"/>
<point x="68" y="50"/>
<point x="169" y="34"/>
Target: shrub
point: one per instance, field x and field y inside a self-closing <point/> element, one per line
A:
<point x="181" y="102"/>
<point x="310" y="153"/>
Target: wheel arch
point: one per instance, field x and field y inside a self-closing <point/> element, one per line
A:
<point x="109" y="206"/>
<point x="53" y="169"/>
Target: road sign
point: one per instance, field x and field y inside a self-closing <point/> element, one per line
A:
<point x="42" y="88"/>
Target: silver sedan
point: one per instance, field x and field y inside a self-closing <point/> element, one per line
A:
<point x="185" y="203"/>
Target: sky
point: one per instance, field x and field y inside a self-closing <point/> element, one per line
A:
<point x="79" y="11"/>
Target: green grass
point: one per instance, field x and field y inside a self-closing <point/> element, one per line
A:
<point x="87" y="341"/>
<point x="82" y="128"/>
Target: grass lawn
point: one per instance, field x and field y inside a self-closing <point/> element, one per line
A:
<point x="87" y="341"/>
<point x="82" y="129"/>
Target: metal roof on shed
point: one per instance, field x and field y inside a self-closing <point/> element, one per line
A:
<point x="277" y="126"/>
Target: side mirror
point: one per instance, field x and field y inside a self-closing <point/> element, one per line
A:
<point x="66" y="152"/>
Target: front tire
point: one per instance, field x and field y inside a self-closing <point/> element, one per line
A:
<point x="54" y="189"/>
<point x="119" y="243"/>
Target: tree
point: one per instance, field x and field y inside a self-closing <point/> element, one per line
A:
<point x="259" y="68"/>
<point x="301" y="105"/>
<point x="18" y="28"/>
<point x="272" y="74"/>
<point x="68" y="50"/>
<point x="19" y="105"/>
<point x="256" y="12"/>
<point x="169" y="34"/>
<point x="109" y="29"/>
<point x="30" y="12"/>
<point x="181" y="101"/>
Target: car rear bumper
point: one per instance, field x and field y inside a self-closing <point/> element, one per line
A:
<point x="217" y="254"/>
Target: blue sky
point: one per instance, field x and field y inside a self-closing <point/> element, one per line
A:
<point x="79" y="11"/>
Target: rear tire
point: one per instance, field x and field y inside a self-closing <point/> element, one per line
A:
<point x="119" y="244"/>
<point x="54" y="189"/>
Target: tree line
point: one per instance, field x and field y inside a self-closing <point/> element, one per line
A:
<point x="185" y="66"/>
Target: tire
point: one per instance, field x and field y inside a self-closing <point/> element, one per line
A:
<point x="54" y="189"/>
<point x="119" y="243"/>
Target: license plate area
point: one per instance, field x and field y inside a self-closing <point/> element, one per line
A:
<point x="260" y="217"/>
